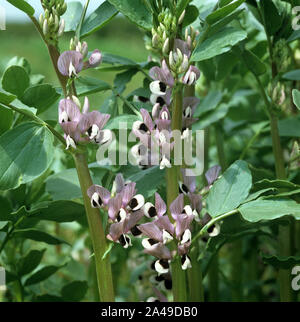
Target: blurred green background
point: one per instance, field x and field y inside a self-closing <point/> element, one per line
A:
<point x="119" y="37"/>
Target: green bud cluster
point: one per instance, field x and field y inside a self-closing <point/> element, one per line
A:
<point x="59" y="5"/>
<point x="165" y="31"/>
<point x="51" y="22"/>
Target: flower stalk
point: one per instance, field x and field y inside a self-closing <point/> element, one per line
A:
<point x="102" y="259"/>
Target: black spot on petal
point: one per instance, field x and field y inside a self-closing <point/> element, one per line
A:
<point x="162" y="87"/>
<point x="164" y="263"/>
<point x="135" y="231"/>
<point x="133" y="203"/>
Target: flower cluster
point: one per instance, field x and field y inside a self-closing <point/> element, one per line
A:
<point x="124" y="207"/>
<point x="82" y="125"/>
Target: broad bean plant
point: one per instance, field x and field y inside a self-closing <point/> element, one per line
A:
<point x="185" y="189"/>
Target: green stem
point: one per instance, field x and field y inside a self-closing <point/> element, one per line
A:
<point x="172" y="175"/>
<point x="284" y="236"/>
<point x="103" y="266"/>
<point x="236" y="262"/>
<point x="54" y="55"/>
<point x="196" y="291"/>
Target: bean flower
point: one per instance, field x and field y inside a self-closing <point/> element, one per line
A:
<point x="155" y="139"/>
<point x="124" y="207"/>
<point x="82" y="126"/>
<point x="70" y="63"/>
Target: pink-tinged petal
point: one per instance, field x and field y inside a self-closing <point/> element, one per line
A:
<point x="133" y="219"/>
<point x="159" y="250"/>
<point x="196" y="202"/>
<point x="147" y="118"/>
<point x="212" y="174"/>
<point x="183" y="47"/>
<point x="151" y="230"/>
<point x="160" y="205"/>
<point x="159" y="295"/>
<point x="86" y="105"/>
<point x="116" y="230"/>
<point x="184" y="248"/>
<point x="177" y="206"/>
<point x="191" y="76"/>
<point x="165" y="223"/>
<point x="191" y="102"/>
<point x="119" y="182"/>
<point x="183" y="222"/>
<point x="102" y="192"/>
<point x="68" y="57"/>
<point x="162" y="74"/>
<point x="95" y="59"/>
<point x="71" y="109"/>
<point x="128" y="193"/>
<point x="189" y="179"/>
<point x="114" y="206"/>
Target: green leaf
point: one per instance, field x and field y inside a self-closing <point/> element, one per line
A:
<point x="280" y="262"/>
<point x="64" y="185"/>
<point x="294" y="36"/>
<point x="278" y="184"/>
<point x="253" y="63"/>
<point x="296" y="98"/>
<point x="20" y="61"/>
<point x="3" y="224"/>
<point x="25" y="153"/>
<point x="59" y="211"/>
<point x="211" y="117"/>
<point x="40" y="96"/>
<point x="42" y="274"/>
<point x="147" y="181"/>
<point x="218" y="43"/>
<point x="118" y="60"/>
<point x="98" y="19"/>
<point x="257" y="210"/>
<point x="5" y="97"/>
<point x="292" y="75"/>
<point x="15" y="80"/>
<point x="136" y="11"/>
<point x="75" y="291"/>
<point x="271" y="17"/>
<point x="228" y="192"/>
<point x="289" y="127"/>
<point x="72" y="15"/>
<point x="129" y="119"/>
<point x="30" y="262"/>
<point x="191" y="14"/>
<point x="23" y="5"/>
<point x="38" y="235"/>
<point x="6" y="119"/>
<point x="209" y="103"/>
<point x="223" y="12"/>
<point x="36" y="79"/>
<point x="6" y="209"/>
<point x="89" y="85"/>
<point x="30" y="111"/>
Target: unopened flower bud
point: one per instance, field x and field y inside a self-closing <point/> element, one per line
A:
<point x="180" y="20"/>
<point x="76" y="101"/>
<point x="166" y="46"/>
<point x="45" y="27"/>
<point x="155" y="40"/>
<point x="61" y="28"/>
<point x="41" y="20"/>
<point x="84" y="49"/>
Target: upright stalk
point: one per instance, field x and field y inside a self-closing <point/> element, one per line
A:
<point x="172" y="175"/>
<point x="284" y="236"/>
<point x="103" y="267"/>
<point x="196" y="291"/>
